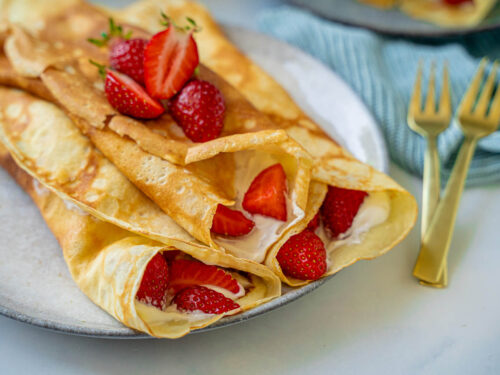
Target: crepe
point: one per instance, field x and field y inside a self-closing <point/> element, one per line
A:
<point x="440" y="13"/>
<point x="464" y="15"/>
<point x="333" y="165"/>
<point x="108" y="262"/>
<point x="152" y="154"/>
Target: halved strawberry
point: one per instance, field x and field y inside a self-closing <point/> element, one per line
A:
<point x="170" y="59"/>
<point x="200" y="298"/>
<point x="266" y="194"/>
<point x="303" y="256"/>
<point x="185" y="273"/>
<point x="129" y="98"/>
<point x="230" y="222"/>
<point x="314" y="223"/>
<point x="340" y="207"/>
<point x="153" y="288"/>
<point x="127" y="56"/>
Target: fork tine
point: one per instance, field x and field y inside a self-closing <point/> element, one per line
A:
<point x="445" y="101"/>
<point x="494" y="114"/>
<point x="470" y="96"/>
<point x="430" y="101"/>
<point x="484" y="99"/>
<point x="415" y="102"/>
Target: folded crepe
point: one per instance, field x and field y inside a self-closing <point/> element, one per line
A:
<point x="153" y="154"/>
<point x="391" y="209"/>
<point x="108" y="262"/>
<point x="385" y="218"/>
<point x="440" y="12"/>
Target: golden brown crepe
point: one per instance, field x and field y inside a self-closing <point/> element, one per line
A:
<point x="146" y="152"/>
<point x="440" y="13"/>
<point x="333" y="165"/>
<point x="108" y="262"/>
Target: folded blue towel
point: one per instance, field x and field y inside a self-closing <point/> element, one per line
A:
<point x="382" y="71"/>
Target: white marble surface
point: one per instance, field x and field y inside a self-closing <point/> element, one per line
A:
<point x="371" y="318"/>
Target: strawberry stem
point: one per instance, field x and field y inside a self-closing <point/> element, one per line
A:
<point x="167" y="22"/>
<point x="114" y="31"/>
<point x="102" y="68"/>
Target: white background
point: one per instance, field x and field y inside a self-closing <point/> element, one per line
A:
<point x="371" y="318"/>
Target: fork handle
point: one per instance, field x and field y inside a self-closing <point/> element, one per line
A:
<point x="436" y="242"/>
<point x="431" y="182"/>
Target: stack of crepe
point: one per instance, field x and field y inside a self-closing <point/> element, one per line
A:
<point x="121" y="190"/>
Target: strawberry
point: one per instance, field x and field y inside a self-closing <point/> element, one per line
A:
<point x="314" y="223"/>
<point x="199" y="110"/>
<point x="127" y="56"/>
<point x="170" y="58"/>
<point x="185" y="273"/>
<point x="266" y="194"/>
<point x="457" y="2"/>
<point x="171" y="255"/>
<point x="340" y="207"/>
<point x="230" y="222"/>
<point x="303" y="256"/>
<point x="200" y="298"/>
<point x="153" y="288"/>
<point x="129" y="98"/>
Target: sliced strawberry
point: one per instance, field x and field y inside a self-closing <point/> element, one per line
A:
<point x="170" y="59"/>
<point x="199" y="110"/>
<point x="200" y="298"/>
<point x="153" y="288"/>
<point x="314" y="223"/>
<point x="171" y="255"/>
<point x="457" y="2"/>
<point x="230" y="222"/>
<point x="266" y="194"/>
<point x="340" y="207"/>
<point x="127" y="56"/>
<point x="185" y="273"/>
<point x="129" y="98"/>
<point x="303" y="256"/>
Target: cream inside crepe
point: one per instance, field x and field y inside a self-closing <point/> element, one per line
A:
<point x="332" y="164"/>
<point x="108" y="262"/>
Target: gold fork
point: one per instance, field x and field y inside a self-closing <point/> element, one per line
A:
<point x="476" y="122"/>
<point x="429" y="123"/>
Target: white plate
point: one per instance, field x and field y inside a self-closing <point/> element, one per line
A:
<point x="35" y="285"/>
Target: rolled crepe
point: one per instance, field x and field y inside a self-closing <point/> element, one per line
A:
<point x="152" y="154"/>
<point x="333" y="165"/>
<point x="107" y="263"/>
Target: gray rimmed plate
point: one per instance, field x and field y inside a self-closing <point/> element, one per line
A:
<point x="35" y="285"/>
<point x="392" y="22"/>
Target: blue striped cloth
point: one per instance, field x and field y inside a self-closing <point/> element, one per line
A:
<point x="382" y="71"/>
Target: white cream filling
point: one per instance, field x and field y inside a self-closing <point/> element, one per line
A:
<point x="373" y="211"/>
<point x="267" y="230"/>
<point x="154" y="316"/>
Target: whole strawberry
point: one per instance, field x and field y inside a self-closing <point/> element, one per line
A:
<point x="339" y="208"/>
<point x="199" y="110"/>
<point x="303" y="256"/>
<point x="127" y="56"/>
<point x="200" y="298"/>
<point x="153" y="288"/>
